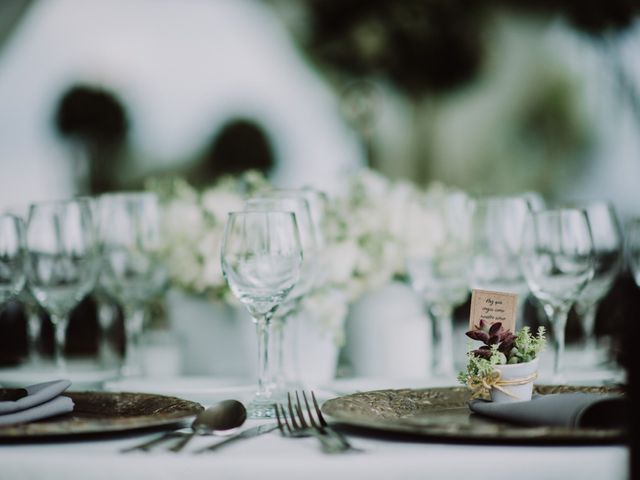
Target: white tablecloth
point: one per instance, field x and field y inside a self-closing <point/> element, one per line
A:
<point x="274" y="457"/>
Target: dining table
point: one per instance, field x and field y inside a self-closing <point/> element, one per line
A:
<point x="376" y="454"/>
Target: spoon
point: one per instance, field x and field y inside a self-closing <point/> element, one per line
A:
<point x="221" y="417"/>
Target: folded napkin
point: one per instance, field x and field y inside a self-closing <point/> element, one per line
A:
<point x="41" y="401"/>
<point x="586" y="410"/>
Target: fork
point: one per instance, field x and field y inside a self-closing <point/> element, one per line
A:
<point x="295" y="424"/>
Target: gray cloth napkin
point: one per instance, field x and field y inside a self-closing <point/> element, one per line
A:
<point x="586" y="410"/>
<point x="42" y="400"/>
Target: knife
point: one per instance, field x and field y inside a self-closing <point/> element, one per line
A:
<point x="248" y="433"/>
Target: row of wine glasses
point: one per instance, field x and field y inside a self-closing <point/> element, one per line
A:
<point x="68" y="249"/>
<point x="513" y="244"/>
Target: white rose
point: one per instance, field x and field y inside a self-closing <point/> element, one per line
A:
<point x="182" y="219"/>
<point x="341" y="261"/>
<point x="219" y="203"/>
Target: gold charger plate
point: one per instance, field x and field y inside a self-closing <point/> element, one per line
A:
<point x="107" y="412"/>
<point x="442" y="414"/>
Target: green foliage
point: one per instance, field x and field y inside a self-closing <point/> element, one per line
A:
<point x="526" y="348"/>
<point x="480" y="367"/>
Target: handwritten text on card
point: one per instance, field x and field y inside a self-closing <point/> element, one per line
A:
<point x="492" y="307"/>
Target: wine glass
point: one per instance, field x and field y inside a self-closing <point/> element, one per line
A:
<point x="497" y="229"/>
<point x="32" y="308"/>
<point x="62" y="261"/>
<point x="607" y="247"/>
<point x="261" y="260"/>
<point x="557" y="261"/>
<point x="12" y="257"/>
<point x="438" y="270"/>
<point x="132" y="269"/>
<point x="632" y="247"/>
<point x="292" y="201"/>
<point x="106" y="306"/>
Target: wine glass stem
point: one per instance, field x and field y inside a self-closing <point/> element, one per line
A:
<point x="59" y="339"/>
<point x="442" y="332"/>
<point x="264" y="380"/>
<point x="107" y="313"/>
<point x="589" y="326"/>
<point x="134" y="322"/>
<point x="34" y="330"/>
<point x="278" y="374"/>
<point x="558" y="320"/>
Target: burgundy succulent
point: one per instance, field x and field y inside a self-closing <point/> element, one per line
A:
<point x="490" y="335"/>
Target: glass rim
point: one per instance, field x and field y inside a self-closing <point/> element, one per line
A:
<point x="61" y="203"/>
<point x="293" y="198"/>
<point x="497" y="197"/>
<point x="236" y="213"/>
<point x="127" y="193"/>
<point x="11" y="216"/>
<point x="557" y="211"/>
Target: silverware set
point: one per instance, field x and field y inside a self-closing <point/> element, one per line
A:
<point x="299" y="419"/>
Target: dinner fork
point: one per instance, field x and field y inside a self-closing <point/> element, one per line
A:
<point x="294" y="424"/>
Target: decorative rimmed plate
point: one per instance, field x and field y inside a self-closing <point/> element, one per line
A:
<point x="442" y="414"/>
<point x="107" y="412"/>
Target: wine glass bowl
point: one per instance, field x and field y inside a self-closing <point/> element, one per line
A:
<point x="557" y="261"/>
<point x="293" y="201"/>
<point x="261" y="261"/>
<point x="498" y="229"/>
<point x="12" y="257"/>
<point x="632" y="247"/>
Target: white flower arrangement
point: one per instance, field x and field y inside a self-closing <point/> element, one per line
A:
<point x="378" y="223"/>
<point x="193" y="228"/>
<point x="368" y="232"/>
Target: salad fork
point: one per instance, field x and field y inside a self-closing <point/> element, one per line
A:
<point x="293" y="423"/>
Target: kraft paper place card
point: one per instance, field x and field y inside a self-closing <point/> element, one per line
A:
<point x="492" y="307"/>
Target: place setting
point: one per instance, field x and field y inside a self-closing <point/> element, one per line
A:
<point x="499" y="402"/>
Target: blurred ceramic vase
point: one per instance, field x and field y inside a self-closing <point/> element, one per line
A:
<point x="388" y="335"/>
<point x="218" y="339"/>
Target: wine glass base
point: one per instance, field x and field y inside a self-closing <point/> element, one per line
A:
<point x="257" y="410"/>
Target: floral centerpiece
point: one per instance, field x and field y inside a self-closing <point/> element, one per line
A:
<point x="193" y="228"/>
<point x="376" y="224"/>
<point x="505" y="365"/>
<point x="361" y="228"/>
<point x="368" y="231"/>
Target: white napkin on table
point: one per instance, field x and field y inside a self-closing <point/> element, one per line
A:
<point x="42" y="400"/>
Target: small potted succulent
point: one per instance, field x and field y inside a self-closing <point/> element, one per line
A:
<point x="505" y="365"/>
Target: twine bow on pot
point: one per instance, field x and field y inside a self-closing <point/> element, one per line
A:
<point x="480" y="386"/>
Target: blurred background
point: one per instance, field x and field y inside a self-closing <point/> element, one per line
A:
<point x="97" y="96"/>
<point x="100" y="96"/>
